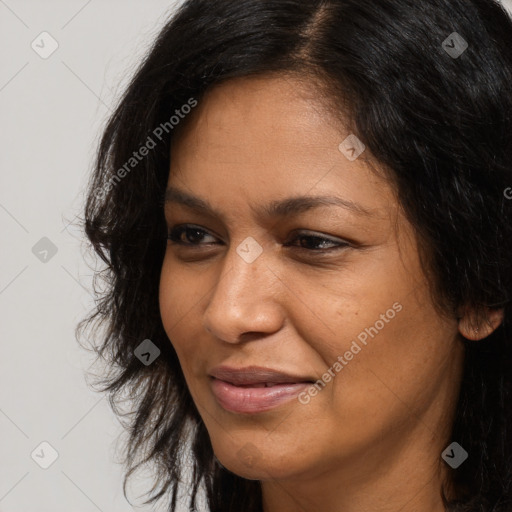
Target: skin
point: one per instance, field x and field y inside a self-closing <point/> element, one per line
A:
<point x="371" y="440"/>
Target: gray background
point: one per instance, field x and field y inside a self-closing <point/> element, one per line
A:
<point x="52" y="111"/>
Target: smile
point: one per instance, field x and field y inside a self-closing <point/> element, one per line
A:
<point x="253" y="390"/>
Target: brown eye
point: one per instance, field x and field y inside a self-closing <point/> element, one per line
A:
<point x="188" y="235"/>
<point x="316" y="243"/>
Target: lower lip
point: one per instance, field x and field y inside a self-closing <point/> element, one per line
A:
<point x="253" y="400"/>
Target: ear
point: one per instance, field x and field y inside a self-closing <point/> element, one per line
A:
<point x="475" y="327"/>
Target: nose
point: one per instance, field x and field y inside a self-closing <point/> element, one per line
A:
<point x="244" y="301"/>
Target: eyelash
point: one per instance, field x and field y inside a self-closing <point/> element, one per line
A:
<point x="175" y="232"/>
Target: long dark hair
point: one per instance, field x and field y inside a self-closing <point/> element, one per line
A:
<point x="441" y="122"/>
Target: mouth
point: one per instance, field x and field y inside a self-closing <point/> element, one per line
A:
<point x="253" y="389"/>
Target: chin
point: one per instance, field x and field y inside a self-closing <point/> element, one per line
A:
<point x="257" y="461"/>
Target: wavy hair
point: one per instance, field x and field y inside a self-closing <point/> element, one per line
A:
<point x="441" y="123"/>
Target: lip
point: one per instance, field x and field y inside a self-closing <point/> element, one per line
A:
<point x="255" y="389"/>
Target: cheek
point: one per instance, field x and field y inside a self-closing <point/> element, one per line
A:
<point x="178" y="309"/>
<point x="339" y="308"/>
<point x="178" y="302"/>
<point x="394" y="375"/>
<point x="392" y="343"/>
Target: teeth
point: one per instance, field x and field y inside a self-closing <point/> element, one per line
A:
<point x="259" y="385"/>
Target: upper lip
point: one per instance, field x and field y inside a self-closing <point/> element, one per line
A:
<point x="255" y="375"/>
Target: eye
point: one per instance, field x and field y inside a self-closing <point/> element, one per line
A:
<point x="192" y="235"/>
<point x="315" y="240"/>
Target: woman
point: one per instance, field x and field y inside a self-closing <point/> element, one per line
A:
<point x="302" y="206"/>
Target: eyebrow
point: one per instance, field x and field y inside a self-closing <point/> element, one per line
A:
<point x="279" y="208"/>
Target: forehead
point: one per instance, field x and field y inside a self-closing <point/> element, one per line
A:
<point x="274" y="108"/>
<point x="269" y="137"/>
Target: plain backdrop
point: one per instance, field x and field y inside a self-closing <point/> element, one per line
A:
<point x="52" y="111"/>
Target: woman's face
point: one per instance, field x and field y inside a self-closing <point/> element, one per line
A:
<point x="323" y="292"/>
